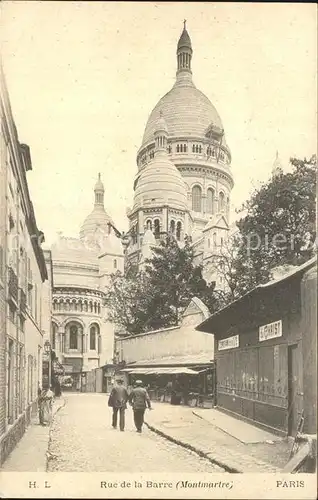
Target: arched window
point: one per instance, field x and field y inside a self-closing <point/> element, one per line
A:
<point x="98" y="308"/>
<point x="149" y="225"/>
<point x="210" y="201"/>
<point x="157" y="228"/>
<point x="172" y="227"/>
<point x="214" y="239"/>
<point x="81" y="305"/>
<point x="178" y="233"/>
<point x="169" y="149"/>
<point x="95" y="307"/>
<point x="73" y="337"/>
<point x="200" y="149"/>
<point x="54" y="334"/>
<point x="221" y="201"/>
<point x="196" y="198"/>
<point x="91" y="306"/>
<point x="227" y="206"/>
<point x="85" y="306"/>
<point x="92" y="338"/>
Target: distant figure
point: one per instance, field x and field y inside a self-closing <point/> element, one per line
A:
<point x="139" y="400"/>
<point x="45" y="403"/>
<point x="118" y="402"/>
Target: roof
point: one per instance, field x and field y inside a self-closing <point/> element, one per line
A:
<point x="206" y="325"/>
<point x="184" y="40"/>
<point x="187" y="112"/>
<point x="161" y="371"/>
<point x="190" y="359"/>
<point x="160" y="183"/>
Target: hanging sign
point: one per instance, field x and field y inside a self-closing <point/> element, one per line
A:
<point x="270" y="331"/>
<point x="229" y="343"/>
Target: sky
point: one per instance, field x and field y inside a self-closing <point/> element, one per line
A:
<point x="83" y="78"/>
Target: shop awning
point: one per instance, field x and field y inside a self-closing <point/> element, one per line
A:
<point x="161" y="371"/>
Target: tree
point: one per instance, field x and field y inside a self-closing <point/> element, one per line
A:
<point x="172" y="277"/>
<point x="157" y="297"/>
<point x="127" y="301"/>
<point x="224" y="263"/>
<point x="280" y="225"/>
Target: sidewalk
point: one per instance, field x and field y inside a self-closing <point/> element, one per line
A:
<point x="235" y="445"/>
<point x="30" y="454"/>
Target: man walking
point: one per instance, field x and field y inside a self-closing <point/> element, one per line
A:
<point x="139" y="399"/>
<point x="118" y="401"/>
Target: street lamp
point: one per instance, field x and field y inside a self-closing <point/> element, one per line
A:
<point x="47" y="347"/>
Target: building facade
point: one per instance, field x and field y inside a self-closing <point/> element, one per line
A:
<point x="173" y="356"/>
<point x="81" y="336"/>
<point x="22" y="276"/>
<point x="266" y="359"/>
<point x="183" y="130"/>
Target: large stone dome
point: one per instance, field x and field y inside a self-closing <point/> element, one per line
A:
<point x="187" y="111"/>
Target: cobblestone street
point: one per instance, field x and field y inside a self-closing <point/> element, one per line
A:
<point x="82" y="439"/>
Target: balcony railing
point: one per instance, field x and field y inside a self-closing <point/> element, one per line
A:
<point x="13" y="284"/>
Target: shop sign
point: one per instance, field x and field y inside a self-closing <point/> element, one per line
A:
<point x="229" y="343"/>
<point x="270" y="331"/>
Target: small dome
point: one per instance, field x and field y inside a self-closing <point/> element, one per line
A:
<point x="161" y="125"/>
<point x="184" y="40"/>
<point x="99" y="186"/>
<point x="97" y="220"/>
<point x="160" y="183"/>
<point x="149" y="238"/>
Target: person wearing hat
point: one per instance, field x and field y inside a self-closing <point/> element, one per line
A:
<point x="118" y="401"/>
<point x="139" y="400"/>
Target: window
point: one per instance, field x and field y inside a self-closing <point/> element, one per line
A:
<point x="115" y="265"/>
<point x="178" y="234"/>
<point x="157" y="228"/>
<point x="210" y="201"/>
<point x="178" y="149"/>
<point x="92" y="338"/>
<point x="214" y="239"/>
<point x="196" y="198"/>
<point x="221" y="201"/>
<point x="172" y="227"/>
<point x="169" y="149"/>
<point x="22" y="323"/>
<point x="149" y="224"/>
<point x="73" y="336"/>
<point x="12" y="312"/>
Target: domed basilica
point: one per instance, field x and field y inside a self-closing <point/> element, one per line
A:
<point x="184" y="177"/>
<point x="182" y="187"/>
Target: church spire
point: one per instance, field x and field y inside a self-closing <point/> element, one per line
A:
<point x="99" y="191"/>
<point x="161" y="135"/>
<point x="184" y="51"/>
<point x="277" y="168"/>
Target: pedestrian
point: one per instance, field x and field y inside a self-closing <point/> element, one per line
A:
<point x="45" y="403"/>
<point x="139" y="400"/>
<point x="118" y="401"/>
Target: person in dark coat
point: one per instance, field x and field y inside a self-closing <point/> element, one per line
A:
<point x="118" y="401"/>
<point x="139" y="400"/>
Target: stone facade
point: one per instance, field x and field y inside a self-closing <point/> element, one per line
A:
<point x="22" y="276"/>
<point x="81" y="335"/>
<point x="195" y="143"/>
